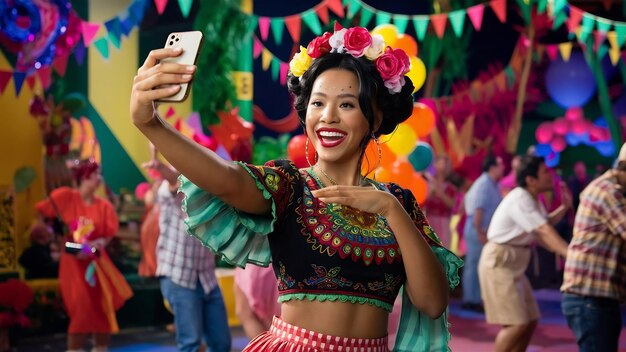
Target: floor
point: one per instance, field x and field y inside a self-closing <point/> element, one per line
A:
<point x="468" y="329"/>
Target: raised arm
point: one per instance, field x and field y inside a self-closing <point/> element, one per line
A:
<point x="226" y="180"/>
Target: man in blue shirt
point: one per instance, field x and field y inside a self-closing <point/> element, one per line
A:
<point x="480" y="203"/>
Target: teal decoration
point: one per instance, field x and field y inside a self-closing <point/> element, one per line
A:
<point x="23" y="178"/>
<point x="421" y="157"/>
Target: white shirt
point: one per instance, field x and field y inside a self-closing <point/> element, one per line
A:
<point x="515" y="219"/>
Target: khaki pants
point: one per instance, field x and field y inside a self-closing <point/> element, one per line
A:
<point x="507" y="295"/>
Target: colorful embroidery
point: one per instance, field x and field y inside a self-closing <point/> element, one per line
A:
<point x="285" y="281"/>
<point x="387" y="288"/>
<point x="327" y="279"/>
<point x="334" y="228"/>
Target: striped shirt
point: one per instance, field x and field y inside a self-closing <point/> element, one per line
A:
<point x="181" y="257"/>
<point x="596" y="257"/>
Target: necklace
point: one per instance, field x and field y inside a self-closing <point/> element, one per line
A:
<point x="332" y="180"/>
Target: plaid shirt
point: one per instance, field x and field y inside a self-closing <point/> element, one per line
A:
<point x="180" y="257"/>
<point x="596" y="257"/>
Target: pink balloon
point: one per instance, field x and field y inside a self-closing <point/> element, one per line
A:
<point x="574" y="114"/>
<point x="544" y="132"/>
<point x="560" y="126"/>
<point x="580" y="126"/>
<point x="558" y="144"/>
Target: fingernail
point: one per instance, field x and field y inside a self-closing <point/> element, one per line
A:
<point x="187" y="76"/>
<point x="177" y="49"/>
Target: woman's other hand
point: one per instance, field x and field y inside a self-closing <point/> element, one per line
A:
<point x="366" y="199"/>
<point x="156" y="80"/>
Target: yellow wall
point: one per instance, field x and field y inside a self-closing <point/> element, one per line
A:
<point x="20" y="145"/>
<point x="110" y="82"/>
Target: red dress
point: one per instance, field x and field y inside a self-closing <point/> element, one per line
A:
<point x="91" y="308"/>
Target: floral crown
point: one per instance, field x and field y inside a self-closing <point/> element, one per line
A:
<point x="392" y="64"/>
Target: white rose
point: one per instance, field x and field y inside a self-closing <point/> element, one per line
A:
<point x="376" y="48"/>
<point x="336" y="41"/>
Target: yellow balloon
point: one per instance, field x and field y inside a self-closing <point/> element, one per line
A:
<point x="389" y="32"/>
<point x="402" y="140"/>
<point x="417" y="74"/>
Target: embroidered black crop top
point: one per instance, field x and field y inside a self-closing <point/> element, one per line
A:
<point x="328" y="251"/>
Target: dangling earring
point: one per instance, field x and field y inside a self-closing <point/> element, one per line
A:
<point x="306" y="152"/>
<point x="379" y="150"/>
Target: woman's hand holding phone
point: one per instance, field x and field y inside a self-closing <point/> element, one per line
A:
<point x="163" y="75"/>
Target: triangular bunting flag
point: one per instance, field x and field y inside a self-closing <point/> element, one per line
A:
<point x="457" y="20"/>
<point x="293" y="24"/>
<point x="18" y="81"/>
<point x="127" y="25"/>
<point x="284" y="70"/>
<point x="277" y="29"/>
<point x="79" y="53"/>
<point x="526" y="10"/>
<point x="5" y="77"/>
<point x="383" y="18"/>
<point x="620" y="30"/>
<point x="170" y="112"/>
<point x="586" y="27"/>
<point x="160" y="5"/>
<point x="266" y="59"/>
<point x="475" y="14"/>
<point x="89" y="32"/>
<point x="185" y="7"/>
<point x="612" y="38"/>
<point x="275" y="68"/>
<point x="566" y="50"/>
<point x="30" y="81"/>
<point x="311" y="20"/>
<point x="103" y="47"/>
<point x="499" y="8"/>
<point x="353" y="8"/>
<point x="264" y="27"/>
<point x="603" y="24"/>
<point x="114" y="28"/>
<point x="366" y="16"/>
<point x="559" y="5"/>
<point x="598" y="39"/>
<point x="401" y="22"/>
<point x="614" y="54"/>
<point x="337" y="7"/>
<point x="136" y="11"/>
<point x="552" y="51"/>
<point x="575" y="15"/>
<point x="439" y="23"/>
<point x="257" y="47"/>
<point x="60" y="65"/>
<point x="559" y="19"/>
<point x="45" y="76"/>
<point x="420" y="23"/>
<point x="115" y="40"/>
<point x="322" y="14"/>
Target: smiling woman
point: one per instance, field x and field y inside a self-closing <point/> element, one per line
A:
<point x="342" y="246"/>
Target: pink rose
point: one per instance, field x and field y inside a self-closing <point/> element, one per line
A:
<point x="319" y="46"/>
<point x="393" y="63"/>
<point x="356" y="40"/>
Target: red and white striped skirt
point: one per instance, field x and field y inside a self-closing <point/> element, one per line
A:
<point x="284" y="337"/>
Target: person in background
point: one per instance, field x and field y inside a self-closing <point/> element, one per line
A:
<point x="92" y="288"/>
<point x="41" y="259"/>
<point x="256" y="298"/>
<point x="186" y="270"/>
<point x="481" y="202"/>
<point x="440" y="203"/>
<point x="517" y="223"/>
<point x="577" y="182"/>
<point x="594" y="281"/>
<point x="507" y="183"/>
<point x="341" y="245"/>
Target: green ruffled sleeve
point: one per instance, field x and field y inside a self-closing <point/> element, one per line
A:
<point x="417" y="332"/>
<point x="238" y="237"/>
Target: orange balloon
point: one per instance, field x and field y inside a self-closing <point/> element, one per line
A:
<point x="419" y="187"/>
<point x="422" y="120"/>
<point x="406" y="43"/>
<point x="383" y="175"/>
<point x="402" y="166"/>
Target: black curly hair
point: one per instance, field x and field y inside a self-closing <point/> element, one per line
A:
<point x="395" y="108"/>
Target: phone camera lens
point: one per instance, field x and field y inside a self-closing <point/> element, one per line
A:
<point x="171" y="43"/>
<point x="177" y="39"/>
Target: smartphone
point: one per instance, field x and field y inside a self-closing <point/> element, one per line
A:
<point x="191" y="42"/>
